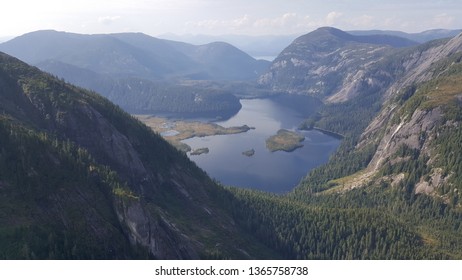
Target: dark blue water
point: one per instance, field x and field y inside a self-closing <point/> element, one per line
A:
<point x="269" y="171"/>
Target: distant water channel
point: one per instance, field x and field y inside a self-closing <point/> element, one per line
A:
<point x="277" y="172"/>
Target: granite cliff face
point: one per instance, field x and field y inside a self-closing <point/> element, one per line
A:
<point x="403" y="123"/>
<point x="330" y="64"/>
<point x="419" y="119"/>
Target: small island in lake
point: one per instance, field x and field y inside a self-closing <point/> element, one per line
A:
<point x="249" y="153"/>
<point x="200" y="151"/>
<point x="284" y="140"/>
<point x="176" y="130"/>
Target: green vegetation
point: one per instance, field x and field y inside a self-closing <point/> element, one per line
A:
<point x="361" y="224"/>
<point x="284" y="140"/>
<point x="249" y="153"/>
<point x="188" y="129"/>
<point x="200" y="151"/>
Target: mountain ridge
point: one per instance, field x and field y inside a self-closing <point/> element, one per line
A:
<point x="132" y="69"/>
<point x="133" y="54"/>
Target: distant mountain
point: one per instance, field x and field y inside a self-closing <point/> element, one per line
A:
<point x="132" y="55"/>
<point x="81" y="179"/>
<point x="4" y="39"/>
<point x="256" y="46"/>
<point x="421" y="37"/>
<point x="117" y="64"/>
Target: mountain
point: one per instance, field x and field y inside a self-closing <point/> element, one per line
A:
<point x="421" y="37"/>
<point x="399" y="160"/>
<point x="135" y="70"/>
<point x="256" y="46"/>
<point x="391" y="108"/>
<point x="224" y="61"/>
<point x="420" y="121"/>
<point x="410" y="141"/>
<point x="331" y="64"/>
<point x="132" y="55"/>
<point x="80" y="178"/>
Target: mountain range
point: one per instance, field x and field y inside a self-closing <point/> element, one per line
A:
<point x="272" y="45"/>
<point x="133" y="69"/>
<point x="80" y="178"/>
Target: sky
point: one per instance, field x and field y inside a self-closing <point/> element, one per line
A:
<point x="221" y="17"/>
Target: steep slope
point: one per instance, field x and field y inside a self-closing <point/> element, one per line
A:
<point x="337" y="66"/>
<point x="330" y="64"/>
<point x="79" y="178"/>
<point x="409" y="141"/>
<point x="421" y="123"/>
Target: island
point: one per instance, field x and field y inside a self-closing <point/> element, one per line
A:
<point x="249" y="153"/>
<point x="200" y="151"/>
<point x="176" y="130"/>
<point x="284" y="140"/>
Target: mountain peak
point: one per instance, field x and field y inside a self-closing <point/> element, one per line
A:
<point x="337" y="36"/>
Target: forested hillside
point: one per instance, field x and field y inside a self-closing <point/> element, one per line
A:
<point x="81" y="179"/>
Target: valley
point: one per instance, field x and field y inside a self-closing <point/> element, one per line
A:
<point x="375" y="175"/>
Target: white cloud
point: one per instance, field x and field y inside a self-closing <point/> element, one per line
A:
<point x="364" y="21"/>
<point x="108" y="19"/>
<point x="241" y="22"/>
<point x="443" y="20"/>
<point x="332" y="18"/>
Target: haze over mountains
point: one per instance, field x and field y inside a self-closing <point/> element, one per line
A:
<point x="80" y="178"/>
<point x="272" y="45"/>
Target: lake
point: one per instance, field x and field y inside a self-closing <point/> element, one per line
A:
<point x="277" y="172"/>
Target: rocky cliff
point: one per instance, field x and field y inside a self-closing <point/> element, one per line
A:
<point x="330" y="64"/>
<point x="421" y="108"/>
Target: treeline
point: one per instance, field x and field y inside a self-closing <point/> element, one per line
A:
<point x="329" y="228"/>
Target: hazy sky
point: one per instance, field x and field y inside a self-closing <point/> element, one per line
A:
<point x="218" y="17"/>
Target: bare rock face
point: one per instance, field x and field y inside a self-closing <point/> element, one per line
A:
<point x="396" y="127"/>
<point x="329" y="64"/>
<point x="412" y="134"/>
<point x="156" y="233"/>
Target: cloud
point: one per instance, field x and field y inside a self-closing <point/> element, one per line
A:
<point x="247" y="23"/>
<point x="282" y="21"/>
<point x="107" y="20"/>
<point x="443" y="20"/>
<point x="365" y="21"/>
<point x="332" y="17"/>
